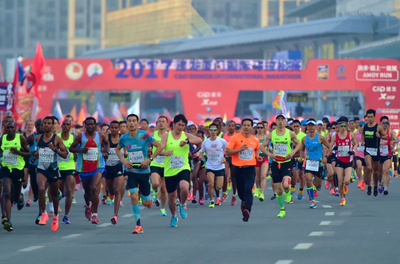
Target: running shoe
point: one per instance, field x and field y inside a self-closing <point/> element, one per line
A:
<point x="103" y="201"/>
<point x="315" y="193"/>
<point x="8" y="226"/>
<point x="108" y="200"/>
<point x="233" y="201"/>
<point x="73" y="200"/>
<point x="282" y="213"/>
<point x="375" y="191"/>
<point x="66" y="221"/>
<point x="332" y="191"/>
<point x="154" y="197"/>
<point x="273" y="197"/>
<point x="218" y="201"/>
<point x="114" y="220"/>
<point x="157" y="202"/>
<point x="189" y="198"/>
<point x="327" y="183"/>
<point x="212" y="204"/>
<point x="261" y="198"/>
<point x="95" y="220"/>
<point x="229" y="184"/>
<point x="43" y="219"/>
<point x="4" y="220"/>
<point x="121" y="204"/>
<point x="174" y="221"/>
<point x="163" y="212"/>
<point x="138" y="230"/>
<point x="28" y="203"/>
<point x="359" y="184"/>
<point x="224" y="196"/>
<point x="369" y="190"/>
<point x="54" y="223"/>
<point x="182" y="211"/>
<point x="201" y="202"/>
<point x="313" y="204"/>
<point x="21" y="202"/>
<point x="291" y="201"/>
<point x="246" y="215"/>
<point x="256" y="192"/>
<point x="343" y="202"/>
<point x="206" y="196"/>
<point x="292" y="190"/>
<point x="194" y="199"/>
<point x="380" y="188"/>
<point x="35" y="198"/>
<point x="362" y="186"/>
<point x="385" y="192"/>
<point x="345" y="189"/>
<point x="37" y="220"/>
<point x="300" y="195"/>
<point x="88" y="212"/>
<point x="336" y="191"/>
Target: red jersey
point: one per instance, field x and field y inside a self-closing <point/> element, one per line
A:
<point x="344" y="146"/>
<point x="384" y="148"/>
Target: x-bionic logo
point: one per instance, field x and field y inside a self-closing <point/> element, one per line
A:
<point x="208" y="102"/>
<point x="385" y="96"/>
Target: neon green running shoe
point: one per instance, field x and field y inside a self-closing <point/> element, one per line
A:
<point x="282" y="213"/>
<point x="212" y="204"/>
<point x="288" y="197"/>
<point x="163" y="212"/>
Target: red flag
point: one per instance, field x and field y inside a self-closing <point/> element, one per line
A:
<point x="15" y="93"/>
<point x="37" y="69"/>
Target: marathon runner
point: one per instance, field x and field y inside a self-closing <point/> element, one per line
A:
<point x="385" y="152"/>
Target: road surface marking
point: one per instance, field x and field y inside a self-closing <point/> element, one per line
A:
<point x="303" y="246"/>
<point x="322" y="233"/>
<point x="325" y="223"/>
<point x="30" y="248"/>
<point x="326" y="206"/>
<point x="284" y="261"/>
<point x="128" y="215"/>
<point x="329" y="213"/>
<point x="72" y="236"/>
<point x="104" y="225"/>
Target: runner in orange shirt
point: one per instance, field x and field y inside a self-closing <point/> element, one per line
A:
<point x="244" y="149"/>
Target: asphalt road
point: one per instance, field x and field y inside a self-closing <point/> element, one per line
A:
<point x="364" y="231"/>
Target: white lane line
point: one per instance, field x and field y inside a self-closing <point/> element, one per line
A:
<point x="284" y="261"/>
<point x="325" y="223"/>
<point x="128" y="215"/>
<point x="303" y="246"/>
<point x="72" y="236"/>
<point x="326" y="206"/>
<point x="104" y="225"/>
<point x="329" y="213"/>
<point x="322" y="233"/>
<point x="30" y="248"/>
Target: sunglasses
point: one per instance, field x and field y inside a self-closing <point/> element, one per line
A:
<point x="213" y="129"/>
<point x="342" y="125"/>
<point x="385" y="122"/>
<point x="259" y="127"/>
<point x="296" y="126"/>
<point x="333" y="127"/>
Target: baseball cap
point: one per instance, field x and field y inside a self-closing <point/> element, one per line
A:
<point x="152" y="125"/>
<point x="303" y="122"/>
<point x="342" y="119"/>
<point x="207" y="124"/>
<point x="190" y="123"/>
<point x="362" y="123"/>
<point x="290" y="121"/>
<point x="319" y="122"/>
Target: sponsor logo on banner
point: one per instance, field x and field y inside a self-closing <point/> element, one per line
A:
<point x="48" y="76"/>
<point x="387" y="73"/>
<point x="385" y="96"/>
<point x="382" y="89"/>
<point x="341" y="72"/>
<point x="74" y="71"/>
<point x="323" y="72"/>
<point x="94" y="69"/>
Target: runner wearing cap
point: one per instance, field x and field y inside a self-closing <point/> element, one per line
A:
<point x="359" y="157"/>
<point x="320" y="127"/>
<point x="313" y="154"/>
<point x="372" y="134"/>
<point x="345" y="146"/>
<point x="282" y="154"/>
<point x="331" y="162"/>
<point x="385" y="149"/>
<point x="297" y="172"/>
<point x="229" y="168"/>
<point x="152" y="128"/>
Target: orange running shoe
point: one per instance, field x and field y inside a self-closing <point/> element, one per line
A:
<point x="43" y="219"/>
<point x="151" y="204"/>
<point x="359" y="184"/>
<point x="114" y="220"/>
<point x="138" y="230"/>
<point x="54" y="224"/>
<point x="363" y="186"/>
<point x="327" y="183"/>
<point x="332" y="191"/>
<point x="343" y="202"/>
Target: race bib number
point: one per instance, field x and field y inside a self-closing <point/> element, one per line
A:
<point x="343" y="151"/>
<point x="312" y="165"/>
<point x="10" y="158"/>
<point x="214" y="155"/>
<point x="67" y="159"/>
<point x="112" y="155"/>
<point x="136" y="157"/>
<point x="360" y="148"/>
<point x="176" y="162"/>
<point x="372" y="151"/>
<point x="159" y="159"/>
<point x="246" y="154"/>
<point x="384" y="150"/>
<point x="91" y="155"/>
<point x="46" y="155"/>
<point x="280" y="149"/>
